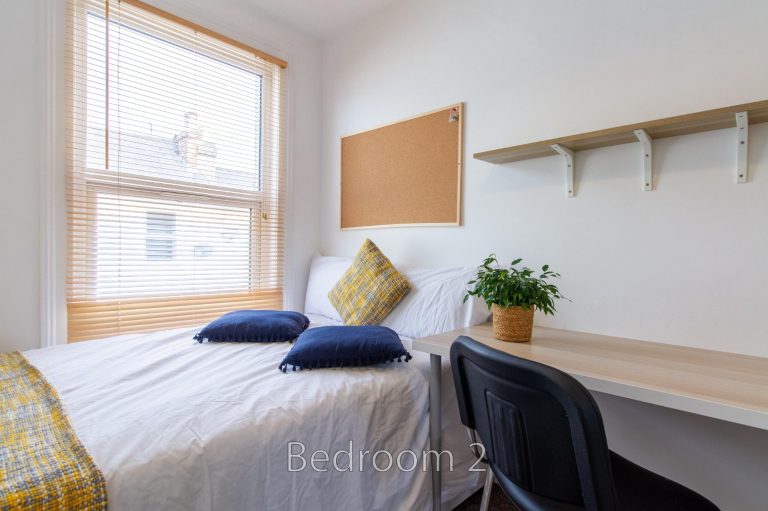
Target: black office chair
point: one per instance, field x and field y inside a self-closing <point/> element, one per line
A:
<point x="545" y="440"/>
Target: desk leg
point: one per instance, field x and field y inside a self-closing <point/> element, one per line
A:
<point x="435" y="426"/>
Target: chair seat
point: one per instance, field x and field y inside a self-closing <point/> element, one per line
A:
<point x="638" y="489"/>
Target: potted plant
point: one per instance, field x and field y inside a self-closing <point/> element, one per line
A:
<point x="513" y="294"/>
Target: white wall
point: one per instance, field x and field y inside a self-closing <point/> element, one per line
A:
<point x="22" y="130"/>
<point x="20" y="121"/>
<point x="684" y="264"/>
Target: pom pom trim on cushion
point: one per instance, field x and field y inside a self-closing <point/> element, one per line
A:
<point x="246" y="326"/>
<point x="354" y="362"/>
<point x="345" y="346"/>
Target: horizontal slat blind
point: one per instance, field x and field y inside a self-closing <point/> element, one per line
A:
<point x="175" y="173"/>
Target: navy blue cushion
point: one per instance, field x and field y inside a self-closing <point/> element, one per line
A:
<point x="345" y="346"/>
<point x="254" y="326"/>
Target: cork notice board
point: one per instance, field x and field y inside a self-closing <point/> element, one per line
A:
<point x="406" y="173"/>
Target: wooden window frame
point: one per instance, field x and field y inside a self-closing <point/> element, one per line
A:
<point x="92" y="180"/>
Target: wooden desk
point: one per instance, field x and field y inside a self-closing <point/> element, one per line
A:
<point x="715" y="384"/>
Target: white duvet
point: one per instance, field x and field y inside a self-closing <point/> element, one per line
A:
<point x="177" y="425"/>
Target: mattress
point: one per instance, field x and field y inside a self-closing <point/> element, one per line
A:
<point x="178" y="425"/>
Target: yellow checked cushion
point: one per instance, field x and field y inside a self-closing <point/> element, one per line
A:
<point x="370" y="289"/>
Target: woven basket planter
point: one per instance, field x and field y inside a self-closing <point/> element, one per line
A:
<point x="513" y="324"/>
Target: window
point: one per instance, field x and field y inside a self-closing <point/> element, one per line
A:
<point x="175" y="172"/>
<point x="160" y="238"/>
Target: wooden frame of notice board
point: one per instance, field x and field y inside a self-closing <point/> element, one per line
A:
<point x="404" y="174"/>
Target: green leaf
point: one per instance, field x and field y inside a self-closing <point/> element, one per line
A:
<point x="511" y="286"/>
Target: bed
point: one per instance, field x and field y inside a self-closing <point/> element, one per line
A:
<point x="177" y="425"/>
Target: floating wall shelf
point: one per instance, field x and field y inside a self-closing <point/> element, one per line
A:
<point x="737" y="116"/>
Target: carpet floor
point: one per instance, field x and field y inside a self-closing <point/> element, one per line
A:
<point x="499" y="501"/>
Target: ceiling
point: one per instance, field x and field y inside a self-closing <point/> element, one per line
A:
<point x="320" y="18"/>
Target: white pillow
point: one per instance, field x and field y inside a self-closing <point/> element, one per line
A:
<point x="434" y="304"/>
<point x="324" y="273"/>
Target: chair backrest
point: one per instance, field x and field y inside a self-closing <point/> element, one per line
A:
<point x="542" y="430"/>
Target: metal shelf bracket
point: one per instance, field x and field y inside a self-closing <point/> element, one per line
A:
<point x="569" y="167"/>
<point x="742" y="130"/>
<point x="647" y="142"/>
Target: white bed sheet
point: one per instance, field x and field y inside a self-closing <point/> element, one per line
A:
<point x="178" y="425"/>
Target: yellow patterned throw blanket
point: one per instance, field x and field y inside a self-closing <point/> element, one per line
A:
<point x="43" y="465"/>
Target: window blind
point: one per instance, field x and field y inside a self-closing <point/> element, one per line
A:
<point x="175" y="172"/>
